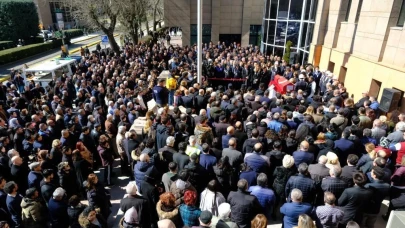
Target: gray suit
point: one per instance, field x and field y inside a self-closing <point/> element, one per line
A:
<point x="377" y="133"/>
<point x="318" y="172"/>
<point x="235" y="156"/>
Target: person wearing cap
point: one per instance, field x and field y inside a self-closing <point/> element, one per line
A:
<point x="160" y="93"/>
<point x="33" y="212"/>
<point x="204" y="219"/>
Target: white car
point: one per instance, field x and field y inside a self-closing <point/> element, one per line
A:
<point x="43" y="32"/>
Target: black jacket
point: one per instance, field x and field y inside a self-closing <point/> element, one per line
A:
<point x="181" y="159"/>
<point x="142" y="207"/>
<point x="352" y="202"/>
<point x="244" y="208"/>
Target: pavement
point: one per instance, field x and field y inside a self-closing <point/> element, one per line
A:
<point x="89" y="40"/>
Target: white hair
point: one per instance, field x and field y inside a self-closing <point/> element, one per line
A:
<point x="170" y="141"/>
<point x="296" y="194"/>
<point x="58" y="193"/>
<point x="122" y="129"/>
<point x="192" y="139"/>
<point x="109" y="117"/>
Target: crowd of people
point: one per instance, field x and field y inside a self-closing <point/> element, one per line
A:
<point x="207" y="156"/>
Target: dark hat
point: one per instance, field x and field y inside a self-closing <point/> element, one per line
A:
<point x="234" y="112"/>
<point x="30" y="192"/>
<point x="96" y="125"/>
<point x="205" y="217"/>
<point x="97" y="107"/>
<point x="222" y="118"/>
<point x="230" y="85"/>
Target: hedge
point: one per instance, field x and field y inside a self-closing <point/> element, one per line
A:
<point x="17" y="53"/>
<point x="6" y="44"/>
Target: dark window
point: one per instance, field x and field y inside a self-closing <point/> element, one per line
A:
<point x="283" y="9"/>
<point x="303" y="35"/>
<point x="272" y="29"/>
<point x="307" y="9"/>
<point x="267" y="12"/>
<point x="349" y="5"/>
<point x="314" y="9"/>
<point x="401" y="18"/>
<point x="273" y="9"/>
<point x="206" y="34"/>
<point x="254" y="35"/>
<point x="265" y="30"/>
<point x="281" y="32"/>
<point x="358" y="11"/>
<point x="295" y="9"/>
<point x="309" y="36"/>
<point x="57" y="7"/>
<point x="279" y="51"/>
<point x="293" y="31"/>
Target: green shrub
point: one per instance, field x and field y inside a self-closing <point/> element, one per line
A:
<point x="6" y="44"/>
<point x="18" y="20"/>
<point x="18" y="53"/>
<point x="72" y="33"/>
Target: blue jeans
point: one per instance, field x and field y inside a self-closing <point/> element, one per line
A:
<point x="171" y="97"/>
<point x="21" y="88"/>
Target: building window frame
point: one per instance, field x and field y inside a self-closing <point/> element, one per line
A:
<point x="401" y="16"/>
<point x="349" y="5"/>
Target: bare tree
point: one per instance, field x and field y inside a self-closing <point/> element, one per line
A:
<point x="157" y="7"/>
<point x="100" y="14"/>
<point x="131" y="15"/>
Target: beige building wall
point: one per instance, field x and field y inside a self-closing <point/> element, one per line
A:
<point x="224" y="16"/>
<point x="44" y="12"/>
<point x="362" y="54"/>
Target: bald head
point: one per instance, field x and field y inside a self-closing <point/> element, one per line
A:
<point x="232" y="142"/>
<point x="258" y="147"/>
<point x="238" y="125"/>
<point x="304" y="146"/>
<point x="230" y="130"/>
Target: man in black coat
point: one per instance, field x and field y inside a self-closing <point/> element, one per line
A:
<point x="181" y="158"/>
<point x="200" y="101"/>
<point x="131" y="143"/>
<point x="166" y="155"/>
<point x="138" y="202"/>
<point x="244" y="206"/>
<point x="187" y="100"/>
<point x="302" y="182"/>
<point x="353" y="199"/>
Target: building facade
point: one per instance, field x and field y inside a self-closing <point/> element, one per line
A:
<point x="55" y="14"/>
<point x="363" y="43"/>
<point x="223" y="20"/>
<point x="289" y="21"/>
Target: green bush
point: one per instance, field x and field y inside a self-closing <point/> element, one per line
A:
<point x="18" y="20"/>
<point x="6" y="44"/>
<point x="72" y="33"/>
<point x="18" y="53"/>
